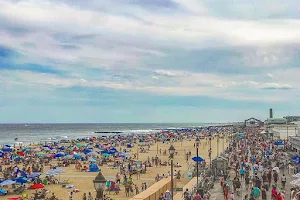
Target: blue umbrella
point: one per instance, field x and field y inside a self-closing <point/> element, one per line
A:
<point x="7" y="182"/>
<point x="18" y="158"/>
<point x="54" y="172"/>
<point x="87" y="151"/>
<point x="7" y="149"/>
<point x="58" y="155"/>
<point x="1" y="153"/>
<point x="76" y="156"/>
<point x="21" y="180"/>
<point x="34" y="175"/>
<point x="197" y="159"/>
<point x="278" y="143"/>
<point x="3" y="192"/>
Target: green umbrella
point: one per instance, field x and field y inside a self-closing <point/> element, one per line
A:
<point x="79" y="145"/>
<point x="105" y="154"/>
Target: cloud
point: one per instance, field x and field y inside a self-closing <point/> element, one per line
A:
<point x="276" y="86"/>
<point x="167" y="73"/>
<point x="248" y="51"/>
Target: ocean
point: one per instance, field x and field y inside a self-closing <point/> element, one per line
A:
<point x="36" y="132"/>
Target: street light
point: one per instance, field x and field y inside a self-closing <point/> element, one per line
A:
<point x="210" y="151"/>
<point x="218" y="140"/>
<point x="172" y="151"/>
<point x="197" y="147"/>
<point x="99" y="185"/>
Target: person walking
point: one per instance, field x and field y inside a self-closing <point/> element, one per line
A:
<point x="283" y="181"/>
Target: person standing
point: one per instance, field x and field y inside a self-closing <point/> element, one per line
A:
<point x="263" y="193"/>
<point x="283" y="181"/>
<point x="84" y="196"/>
<point x="90" y="196"/>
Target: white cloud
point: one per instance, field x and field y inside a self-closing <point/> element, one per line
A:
<point x="167" y="73"/>
<point x="114" y="40"/>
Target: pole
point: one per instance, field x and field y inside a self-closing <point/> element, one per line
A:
<point x="197" y="167"/>
<point x="137" y="153"/>
<point x="217" y="145"/>
<point x="287" y="132"/>
<point x="223" y="143"/>
<point x="210" y="153"/>
<point x="172" y="184"/>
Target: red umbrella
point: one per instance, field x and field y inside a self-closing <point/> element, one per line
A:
<point x="20" y="153"/>
<point x="37" y="186"/>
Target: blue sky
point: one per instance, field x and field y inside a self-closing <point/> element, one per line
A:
<point x="148" y="60"/>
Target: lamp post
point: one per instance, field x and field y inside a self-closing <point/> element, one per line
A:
<point x="287" y="131"/>
<point x="218" y="140"/>
<point x="99" y="185"/>
<point x="197" y="150"/>
<point x="172" y="151"/>
<point x="210" y="151"/>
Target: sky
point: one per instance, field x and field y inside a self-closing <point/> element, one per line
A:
<point x="148" y="60"/>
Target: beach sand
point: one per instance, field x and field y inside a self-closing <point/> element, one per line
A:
<point x="83" y="181"/>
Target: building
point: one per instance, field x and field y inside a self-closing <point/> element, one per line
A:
<point x="275" y="121"/>
<point x="292" y="118"/>
<point x="252" y="122"/>
<point x="295" y="143"/>
<point x="283" y="131"/>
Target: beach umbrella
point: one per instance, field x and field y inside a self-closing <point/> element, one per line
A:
<point x="20" y="153"/>
<point x="18" y="159"/>
<point x="87" y="151"/>
<point x="105" y="154"/>
<point x="58" y="155"/>
<point x="113" y="149"/>
<point x="37" y="186"/>
<point x="77" y="156"/>
<point x="92" y="160"/>
<point x="3" y="192"/>
<point x="68" y="157"/>
<point x="27" y="149"/>
<point x="7" y="182"/>
<point x="278" y="143"/>
<point x="104" y="151"/>
<point x="21" y="180"/>
<point x="92" y="153"/>
<point x="41" y="155"/>
<point x="6" y="149"/>
<point x="54" y="172"/>
<point x="37" y="149"/>
<point x="197" y="159"/>
<point x="34" y="175"/>
<point x="47" y="149"/>
<point x="51" y="172"/>
<point x="61" y="148"/>
<point x="125" y="154"/>
<point x="79" y="145"/>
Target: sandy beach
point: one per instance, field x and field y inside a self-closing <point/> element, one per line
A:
<point x="83" y="181"/>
